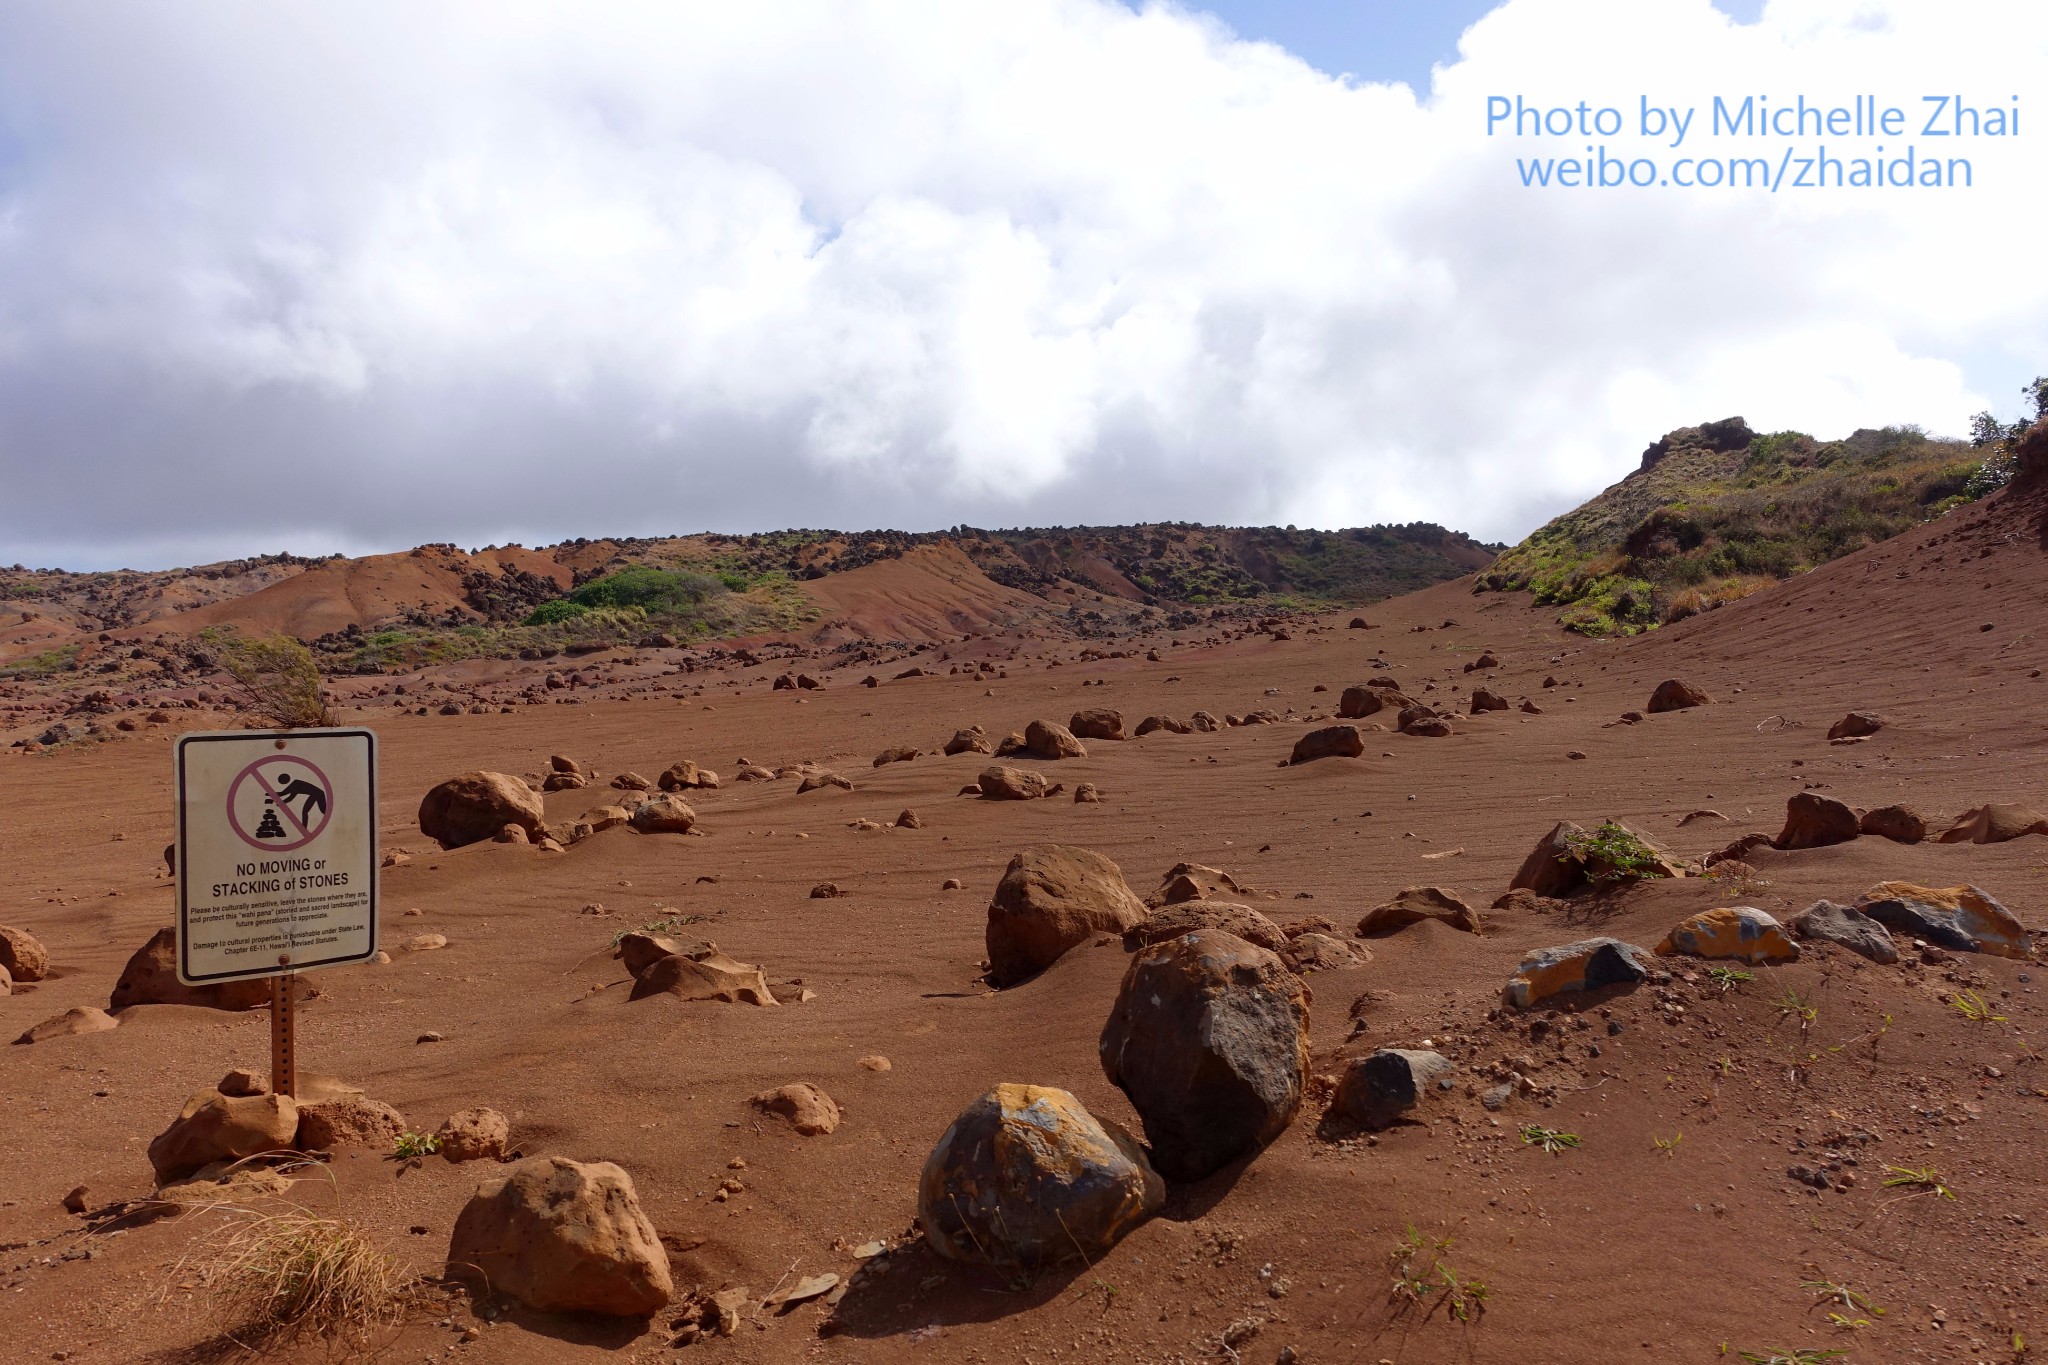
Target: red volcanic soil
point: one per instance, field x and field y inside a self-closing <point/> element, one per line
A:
<point x="363" y="592"/>
<point x="1671" y="1233"/>
<point x="932" y="592"/>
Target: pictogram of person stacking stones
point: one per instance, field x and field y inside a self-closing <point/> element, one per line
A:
<point x="308" y="794"/>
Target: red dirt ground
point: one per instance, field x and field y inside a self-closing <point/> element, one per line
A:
<point x="1620" y="1250"/>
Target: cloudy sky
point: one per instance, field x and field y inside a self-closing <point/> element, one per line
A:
<point x="351" y="277"/>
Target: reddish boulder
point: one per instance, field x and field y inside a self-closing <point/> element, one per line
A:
<point x="1334" y="741"/>
<point x="474" y="806"/>
<point x="1097" y="723"/>
<point x="563" y="1236"/>
<point x="1050" y="900"/>
<point x="1673" y="695"/>
<point x="1815" y="821"/>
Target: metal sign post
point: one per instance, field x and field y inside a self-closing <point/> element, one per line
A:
<point x="277" y="864"/>
<point x="284" y="1039"/>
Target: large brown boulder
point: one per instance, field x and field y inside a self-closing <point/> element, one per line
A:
<point x="1003" y="783"/>
<point x="1856" y="725"/>
<point x="972" y="740"/>
<point x="1209" y="1038"/>
<point x="1097" y="723"/>
<point x="1049" y="740"/>
<point x="151" y="978"/>
<point x="1994" y="824"/>
<point x="664" y="814"/>
<point x="1485" y="699"/>
<point x="1815" y="821"/>
<point x="22" y="955"/>
<point x="1166" y="723"/>
<point x="1333" y="741"/>
<point x="563" y="1236"/>
<point x="1360" y="702"/>
<point x="1026" y="1177"/>
<point x="1414" y="904"/>
<point x="1900" y="824"/>
<point x="1193" y="916"/>
<point x="686" y="776"/>
<point x="474" y="806"/>
<point x="478" y="1134"/>
<point x="900" y="753"/>
<point x="215" y="1127"/>
<point x="1673" y="695"/>
<point x="1052" y="899"/>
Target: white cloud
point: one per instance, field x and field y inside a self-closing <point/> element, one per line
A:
<point x="354" y="276"/>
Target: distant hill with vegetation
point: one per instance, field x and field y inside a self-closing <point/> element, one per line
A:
<point x="437" y="603"/>
<point x="1717" y="511"/>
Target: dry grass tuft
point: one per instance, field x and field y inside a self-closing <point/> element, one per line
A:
<point x="277" y="680"/>
<point x="283" y="1277"/>
<point x="1693" y="601"/>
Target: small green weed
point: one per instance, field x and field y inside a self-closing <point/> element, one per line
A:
<point x="413" y="1146"/>
<point x="1843" y="1297"/>
<point x="1728" y="978"/>
<point x="1550" y="1140"/>
<point x="1921" y="1179"/>
<point x="1668" y="1146"/>
<point x="1460" y="1296"/>
<point x="1793" y="1005"/>
<point x="1974" y="1008"/>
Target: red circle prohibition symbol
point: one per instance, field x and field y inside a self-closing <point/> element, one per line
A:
<point x="280" y="787"/>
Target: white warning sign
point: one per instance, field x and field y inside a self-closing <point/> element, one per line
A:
<point x="277" y="852"/>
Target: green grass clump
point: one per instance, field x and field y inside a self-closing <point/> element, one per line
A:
<point x="1612" y="853"/>
<point x="36" y="667"/>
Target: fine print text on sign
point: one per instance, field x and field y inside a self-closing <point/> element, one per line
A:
<point x="277" y="852"/>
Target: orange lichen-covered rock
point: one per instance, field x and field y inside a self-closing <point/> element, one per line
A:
<point x="1026" y="1177"/>
<point x="1586" y="965"/>
<point x="1959" y="917"/>
<point x="1741" y="932"/>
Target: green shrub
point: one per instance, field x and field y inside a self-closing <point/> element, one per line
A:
<point x="658" y="592"/>
<point x="555" y="612"/>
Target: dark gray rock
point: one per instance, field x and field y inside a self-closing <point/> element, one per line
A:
<point x="1847" y="926"/>
<point x="1376" y="1090"/>
<point x="1209" y="1039"/>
